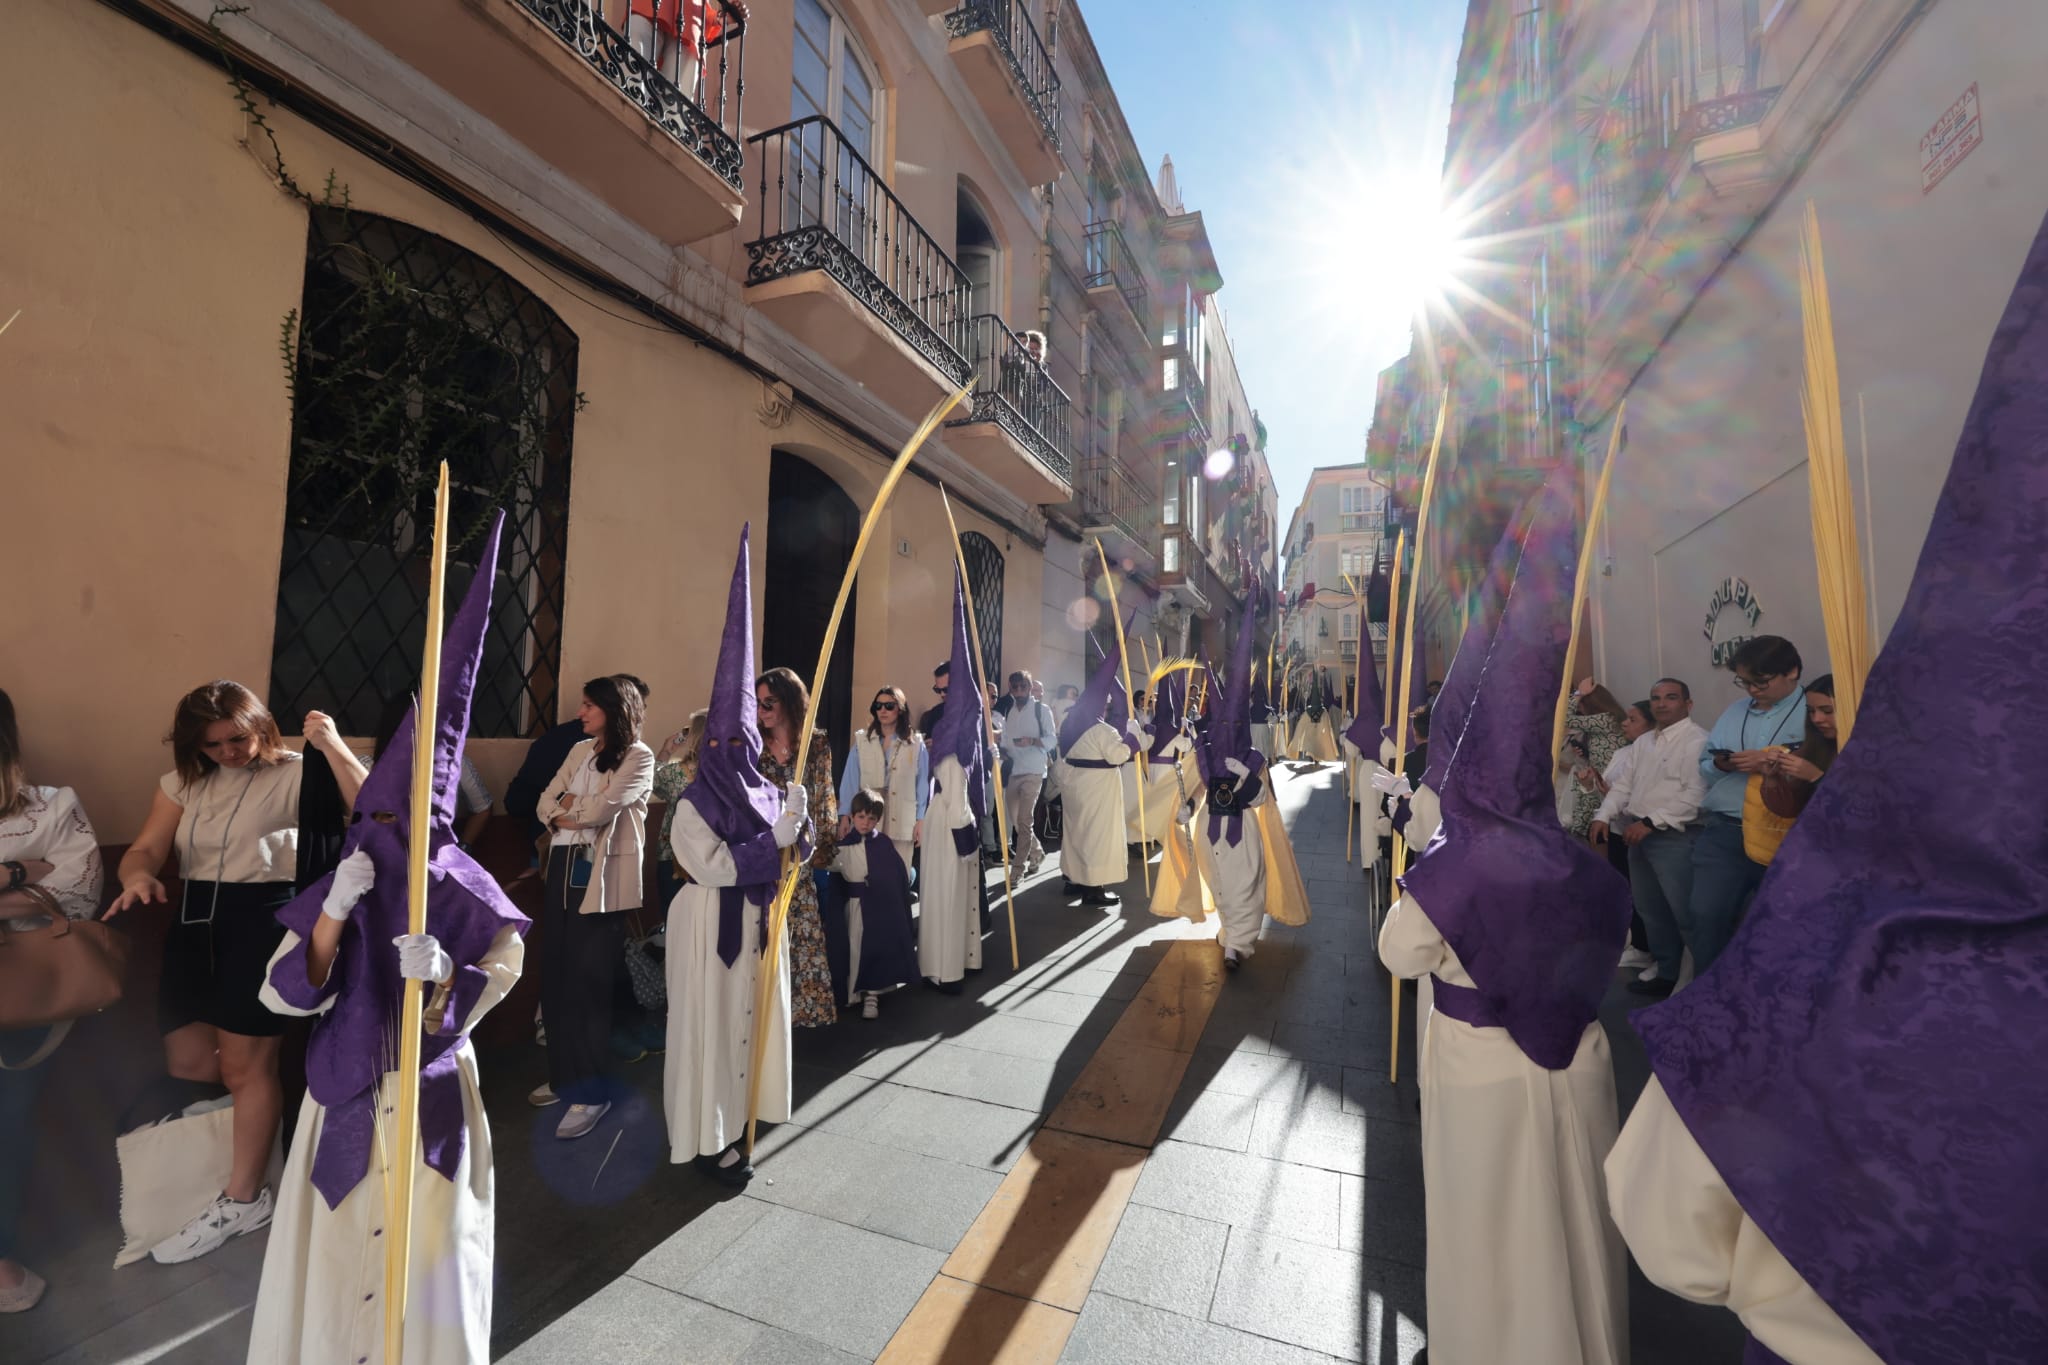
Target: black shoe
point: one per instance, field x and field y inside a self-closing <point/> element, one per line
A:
<point x="943" y="987"/>
<point x="1657" y="988"/>
<point x="1096" y="896"/>
<point x="733" y="1177"/>
<point x="1068" y="890"/>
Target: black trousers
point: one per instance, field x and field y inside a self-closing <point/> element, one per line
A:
<point x="580" y="957"/>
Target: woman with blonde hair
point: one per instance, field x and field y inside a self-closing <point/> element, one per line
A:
<point x="230" y="809"/>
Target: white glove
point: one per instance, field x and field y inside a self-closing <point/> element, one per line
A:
<point x="796" y="808"/>
<point x="1236" y="769"/>
<point x="420" y="959"/>
<point x="352" y="881"/>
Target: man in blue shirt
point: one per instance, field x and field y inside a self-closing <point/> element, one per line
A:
<point x="1772" y="717"/>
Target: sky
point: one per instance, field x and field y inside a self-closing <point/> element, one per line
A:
<point x="1311" y="137"/>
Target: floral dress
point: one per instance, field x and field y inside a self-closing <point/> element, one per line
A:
<point x="1602" y="734"/>
<point x="810" y="971"/>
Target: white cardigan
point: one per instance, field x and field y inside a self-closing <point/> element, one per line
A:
<point x="617" y="818"/>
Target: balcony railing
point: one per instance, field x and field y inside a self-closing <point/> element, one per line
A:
<point x="822" y="207"/>
<point x="1111" y="264"/>
<point x="1013" y="391"/>
<point x="649" y="59"/>
<point x="1694" y="74"/>
<point x="1009" y="23"/>
<point x="1110" y="490"/>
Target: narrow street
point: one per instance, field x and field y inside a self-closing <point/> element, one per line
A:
<point x="1112" y="1155"/>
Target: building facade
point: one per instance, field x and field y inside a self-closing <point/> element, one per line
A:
<point x="1641" y="171"/>
<point x="639" y="284"/>
<point x="1336" y="551"/>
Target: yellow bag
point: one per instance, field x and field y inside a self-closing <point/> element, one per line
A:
<point x="1763" y="829"/>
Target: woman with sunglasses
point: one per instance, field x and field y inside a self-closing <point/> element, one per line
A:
<point x="783" y="704"/>
<point x="890" y="757"/>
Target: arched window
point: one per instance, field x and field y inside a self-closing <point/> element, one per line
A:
<point x="408" y="350"/>
<point x="985" y="581"/>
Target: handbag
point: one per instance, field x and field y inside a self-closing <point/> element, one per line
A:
<point x="1763" y="829"/>
<point x="645" y="971"/>
<point x="59" y="971"/>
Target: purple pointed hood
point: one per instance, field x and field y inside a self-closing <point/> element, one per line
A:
<point x="353" y="1042"/>
<point x="1461" y="680"/>
<point x="1862" y="1065"/>
<point x="1096" y="698"/>
<point x="1364" y="729"/>
<point x="962" y="730"/>
<point x="729" y="792"/>
<point x="1536" y="917"/>
<point x="1228" y="735"/>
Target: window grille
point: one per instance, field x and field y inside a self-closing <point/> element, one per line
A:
<point x="985" y="581"/>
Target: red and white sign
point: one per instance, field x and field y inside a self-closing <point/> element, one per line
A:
<point x="1956" y="134"/>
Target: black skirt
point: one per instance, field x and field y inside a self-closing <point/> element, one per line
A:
<point x="215" y="956"/>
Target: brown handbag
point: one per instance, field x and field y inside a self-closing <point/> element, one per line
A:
<point x="61" y="970"/>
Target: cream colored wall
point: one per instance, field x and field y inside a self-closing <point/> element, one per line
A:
<point x="145" y="423"/>
<point x="1714" y="482"/>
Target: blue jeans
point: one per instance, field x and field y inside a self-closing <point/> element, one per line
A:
<point x="1723" y="880"/>
<point x="17" y="1131"/>
<point x="1660" y="876"/>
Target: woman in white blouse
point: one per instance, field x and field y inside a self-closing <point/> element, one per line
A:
<point x="596" y="816"/>
<point x="45" y="843"/>
<point x="230" y="809"/>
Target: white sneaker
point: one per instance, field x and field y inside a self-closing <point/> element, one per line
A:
<point x="543" y="1095"/>
<point x="1648" y="973"/>
<point x="580" y="1119"/>
<point x="871" y="1008"/>
<point x="1635" y="959"/>
<point x="215" y="1224"/>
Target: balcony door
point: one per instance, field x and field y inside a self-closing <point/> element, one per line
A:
<point x="831" y="77"/>
<point x="812" y="525"/>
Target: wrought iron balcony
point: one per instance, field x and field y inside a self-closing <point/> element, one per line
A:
<point x="1694" y="75"/>
<point x="824" y="210"/>
<point x="1014" y="394"/>
<point x="579" y="82"/>
<point x="1109" y="492"/>
<point x="1023" y="81"/>
<point x="649" y="58"/>
<point x="1113" y="273"/>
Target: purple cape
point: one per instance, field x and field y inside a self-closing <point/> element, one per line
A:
<point x="356" y="1041"/>
<point x="1536" y="917"/>
<point x="1228" y="734"/>
<point x="1862" y="1065"/>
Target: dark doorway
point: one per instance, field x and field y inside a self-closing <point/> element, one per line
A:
<point x="812" y="526"/>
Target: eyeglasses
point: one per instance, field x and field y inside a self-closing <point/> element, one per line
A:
<point x="1757" y="684"/>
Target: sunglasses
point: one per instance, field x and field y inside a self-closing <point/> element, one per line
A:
<point x="878" y="707"/>
<point x="764" y="703"/>
<point x="940" y="690"/>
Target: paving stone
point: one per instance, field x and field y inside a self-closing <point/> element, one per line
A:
<point x="1114" y="1331"/>
<point x="632" y="1323"/>
<point x="1164" y="1259"/>
<point x="1044" y="1233"/>
<point x="1320" y="1298"/>
<point x="844" y="1286"/>
<point x="1383" y="1220"/>
<point x="1268" y="1077"/>
<point x="968" y="1322"/>
<point x="1122" y="1094"/>
<point x="1061" y="1007"/>
<point x="1309" y="1135"/>
<point x="845" y="1104"/>
<point x="1212" y="1118"/>
<point x="1338" y="1047"/>
<point x="1243" y="1191"/>
<point x="773" y="1346"/>
<point x="918" y="1198"/>
<point x="698" y="1243"/>
<point x="1366" y="1091"/>
<point x="970" y="1132"/>
<point x="949" y="1069"/>
<point x="1010" y="1036"/>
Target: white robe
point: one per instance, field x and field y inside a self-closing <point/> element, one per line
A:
<point x="1162" y="793"/>
<point x="1236" y="876"/>
<point x="1262" y="739"/>
<point x="711" y="1006"/>
<point x="1093" y="852"/>
<point x="1524" y="1263"/>
<point x="321" y="1299"/>
<point x="1369" y="800"/>
<point x="1316" y="739"/>
<point x="1692" y="1238"/>
<point x="949" y="905"/>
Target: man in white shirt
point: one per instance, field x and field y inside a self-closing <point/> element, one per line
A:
<point x="1652" y="805"/>
<point x="1028" y="738"/>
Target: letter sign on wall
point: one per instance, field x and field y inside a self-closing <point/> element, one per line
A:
<point x="1733" y="592"/>
<point x="1957" y="133"/>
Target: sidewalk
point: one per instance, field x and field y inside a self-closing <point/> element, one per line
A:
<point x="1114" y="1155"/>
